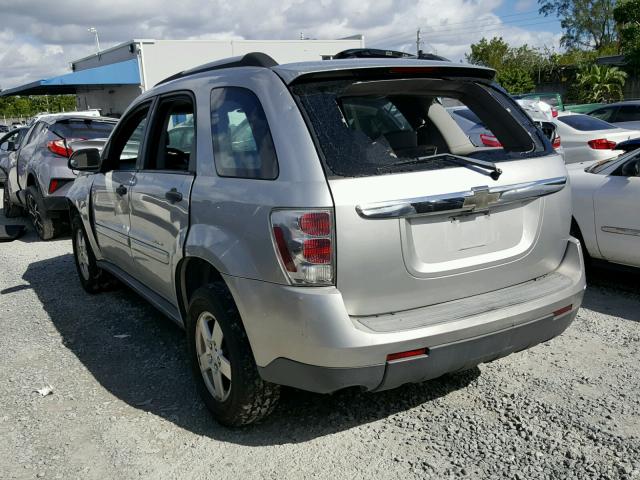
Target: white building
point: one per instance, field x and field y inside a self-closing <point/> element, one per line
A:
<point x="111" y="79"/>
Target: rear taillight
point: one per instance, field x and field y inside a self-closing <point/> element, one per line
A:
<point x="556" y="142"/>
<point x="59" y="147"/>
<point x="305" y="245"/>
<point x="554" y="112"/>
<point x="602" y="144"/>
<point x="489" y="140"/>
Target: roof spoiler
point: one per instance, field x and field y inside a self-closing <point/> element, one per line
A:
<point x="253" y="59"/>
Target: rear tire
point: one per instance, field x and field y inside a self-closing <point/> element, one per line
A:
<point x="222" y="362"/>
<point x="92" y="278"/>
<point x="10" y="210"/>
<point x="42" y="222"/>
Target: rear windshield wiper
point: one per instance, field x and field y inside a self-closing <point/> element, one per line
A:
<point x="494" y="171"/>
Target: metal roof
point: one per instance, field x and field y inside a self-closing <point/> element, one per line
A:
<point x="121" y="73"/>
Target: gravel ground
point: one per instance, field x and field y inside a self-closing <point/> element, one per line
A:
<point x="124" y="405"/>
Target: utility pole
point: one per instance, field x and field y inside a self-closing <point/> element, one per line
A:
<point x="418" y="41"/>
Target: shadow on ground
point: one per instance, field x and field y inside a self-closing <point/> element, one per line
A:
<point x="615" y="292"/>
<point x="147" y="368"/>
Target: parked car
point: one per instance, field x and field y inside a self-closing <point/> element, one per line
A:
<point x="9" y="143"/>
<point x="620" y="114"/>
<point x="481" y="136"/>
<point x="586" y="138"/>
<point x="3" y="128"/>
<point x="38" y="176"/>
<point x="605" y="213"/>
<point x="334" y="226"/>
<point x="555" y="100"/>
<point x="629" y="145"/>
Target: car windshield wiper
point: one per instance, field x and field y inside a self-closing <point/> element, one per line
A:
<point x="494" y="171"/>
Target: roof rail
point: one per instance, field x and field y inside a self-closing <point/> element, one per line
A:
<point x="253" y="59"/>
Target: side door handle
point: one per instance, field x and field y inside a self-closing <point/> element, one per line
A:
<point x="173" y="195"/>
<point x="121" y="190"/>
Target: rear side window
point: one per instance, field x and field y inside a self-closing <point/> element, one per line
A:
<point x="605" y="114"/>
<point x="242" y="142"/>
<point x="384" y="126"/>
<point x="585" y="123"/>
<point x="628" y="113"/>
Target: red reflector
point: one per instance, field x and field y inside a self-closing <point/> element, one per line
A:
<point x="563" y="310"/>
<point x="489" y="140"/>
<point x="53" y="185"/>
<point x="556" y="142"/>
<point x="281" y="243"/>
<point x="602" y="144"/>
<point x="410" y="353"/>
<point x="317" y="224"/>
<point x="317" y="250"/>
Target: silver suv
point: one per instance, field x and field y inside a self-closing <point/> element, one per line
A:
<point x="328" y="225"/>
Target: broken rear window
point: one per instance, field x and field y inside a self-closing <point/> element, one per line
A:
<point x="376" y="127"/>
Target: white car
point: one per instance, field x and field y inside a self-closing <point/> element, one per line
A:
<point x="605" y="214"/>
<point x="585" y="138"/>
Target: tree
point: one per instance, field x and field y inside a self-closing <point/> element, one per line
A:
<point x="601" y="84"/>
<point x="30" y="105"/>
<point x="515" y="66"/>
<point x="515" y="80"/>
<point x="627" y="16"/>
<point x="586" y="23"/>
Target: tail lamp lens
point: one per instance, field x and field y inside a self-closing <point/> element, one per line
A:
<point x="556" y="142"/>
<point x="305" y="245"/>
<point x="489" y="140"/>
<point x="59" y="147"/>
<point x="602" y="144"/>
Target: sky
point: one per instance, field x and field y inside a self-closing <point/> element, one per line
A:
<point x="39" y="39"/>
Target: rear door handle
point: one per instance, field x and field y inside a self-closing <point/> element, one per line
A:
<point x="121" y="190"/>
<point x="173" y="195"/>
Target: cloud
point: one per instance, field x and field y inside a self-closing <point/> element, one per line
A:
<point x="41" y="38"/>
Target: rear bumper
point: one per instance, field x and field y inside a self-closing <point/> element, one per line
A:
<point x="303" y="337"/>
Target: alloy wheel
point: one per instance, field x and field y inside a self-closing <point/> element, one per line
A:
<point x="82" y="254"/>
<point x="215" y="366"/>
<point x="34" y="214"/>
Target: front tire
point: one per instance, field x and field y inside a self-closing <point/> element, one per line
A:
<point x="42" y="222"/>
<point x="10" y="210"/>
<point x="223" y="366"/>
<point x="92" y="278"/>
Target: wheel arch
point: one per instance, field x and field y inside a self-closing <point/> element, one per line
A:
<point x="191" y="274"/>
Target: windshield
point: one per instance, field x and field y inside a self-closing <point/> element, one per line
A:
<point x="603" y="164"/>
<point x="585" y="123"/>
<point x="369" y="128"/>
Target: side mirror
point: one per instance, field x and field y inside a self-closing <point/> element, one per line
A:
<point x="11" y="147"/>
<point x="85" y="160"/>
<point x="631" y="169"/>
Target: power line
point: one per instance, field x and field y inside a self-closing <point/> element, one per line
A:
<point x="456" y="32"/>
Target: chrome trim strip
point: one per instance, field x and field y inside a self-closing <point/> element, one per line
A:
<point x="478" y="199"/>
<point x="622" y="231"/>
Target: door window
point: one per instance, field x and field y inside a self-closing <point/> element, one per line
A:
<point x="173" y="136"/>
<point x="13" y="137"/>
<point x="128" y="141"/>
<point x="628" y="113"/>
<point x="242" y="142"/>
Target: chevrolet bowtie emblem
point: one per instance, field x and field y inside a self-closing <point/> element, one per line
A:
<point x="481" y="199"/>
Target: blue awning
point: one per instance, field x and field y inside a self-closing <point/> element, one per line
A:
<point x="114" y="74"/>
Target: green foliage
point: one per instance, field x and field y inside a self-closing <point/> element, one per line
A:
<point x="515" y="80"/>
<point x="601" y="84"/>
<point x="515" y="66"/>
<point x="29" y="106"/>
<point x="627" y="17"/>
<point x="585" y="23"/>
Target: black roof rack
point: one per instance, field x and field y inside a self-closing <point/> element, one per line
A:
<point x="253" y="59"/>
